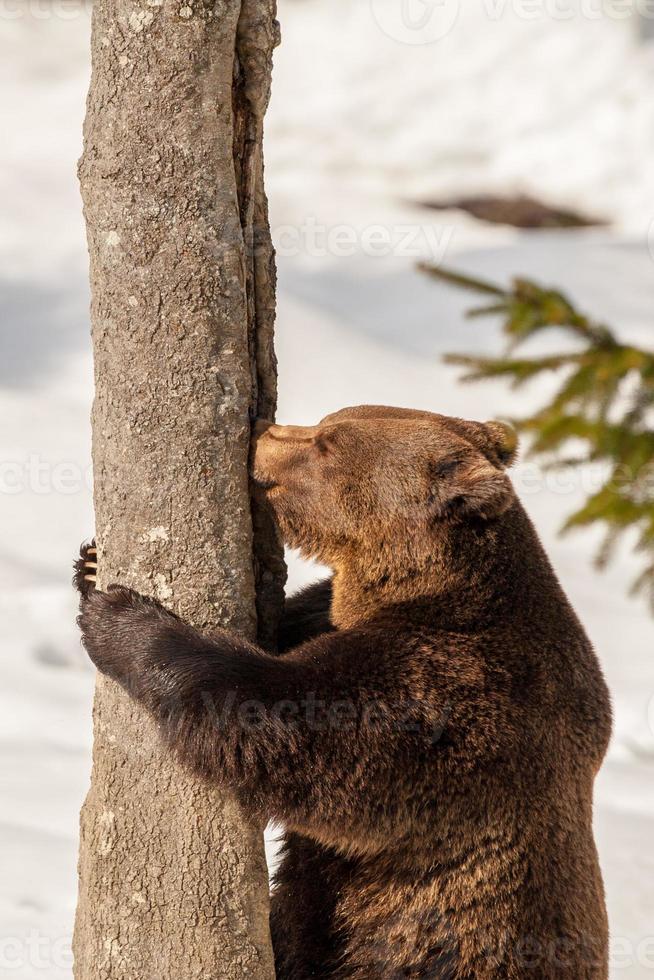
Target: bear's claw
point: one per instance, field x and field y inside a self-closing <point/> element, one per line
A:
<point x="86" y="567"/>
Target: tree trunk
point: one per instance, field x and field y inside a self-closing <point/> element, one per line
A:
<point x="173" y="882"/>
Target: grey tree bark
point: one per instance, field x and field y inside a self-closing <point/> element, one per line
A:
<point x="173" y="882"/>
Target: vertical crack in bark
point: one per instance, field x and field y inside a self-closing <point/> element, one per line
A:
<point x="257" y="36"/>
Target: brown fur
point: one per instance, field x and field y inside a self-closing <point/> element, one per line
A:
<point x="431" y="731"/>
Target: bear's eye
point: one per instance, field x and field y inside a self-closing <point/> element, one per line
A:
<point x="441" y="469"/>
<point x="323" y="444"/>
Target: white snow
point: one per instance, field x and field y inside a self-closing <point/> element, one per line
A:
<point x="363" y="122"/>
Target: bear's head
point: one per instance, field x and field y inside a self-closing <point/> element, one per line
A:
<point x="381" y="477"/>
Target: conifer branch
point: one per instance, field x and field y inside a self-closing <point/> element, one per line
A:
<point x="604" y="404"/>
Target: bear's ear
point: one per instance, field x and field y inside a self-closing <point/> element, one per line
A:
<point x="503" y="440"/>
<point x="462" y="488"/>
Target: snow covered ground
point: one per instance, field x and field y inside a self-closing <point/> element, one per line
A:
<point x="364" y="120"/>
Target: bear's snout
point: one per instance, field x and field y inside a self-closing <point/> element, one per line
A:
<point x="276" y="449"/>
<point x="284" y="433"/>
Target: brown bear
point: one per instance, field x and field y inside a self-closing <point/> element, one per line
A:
<point x="431" y="730"/>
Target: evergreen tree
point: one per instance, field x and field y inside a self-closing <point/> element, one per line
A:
<point x="601" y="412"/>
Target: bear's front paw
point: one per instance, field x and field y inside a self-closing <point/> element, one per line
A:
<point x="114" y="626"/>
<point x="85" y="569"/>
